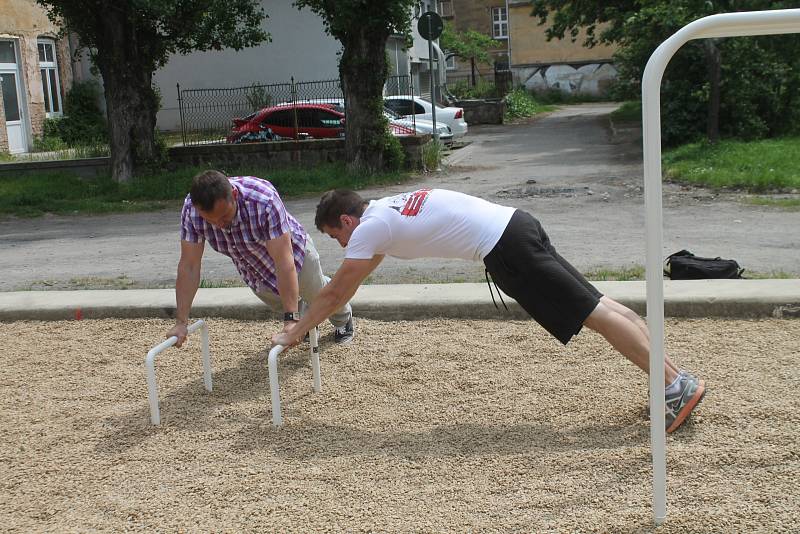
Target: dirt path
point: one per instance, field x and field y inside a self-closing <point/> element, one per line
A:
<point x="435" y="426"/>
<point x="568" y="168"/>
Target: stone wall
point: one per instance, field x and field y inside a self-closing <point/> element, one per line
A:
<point x="482" y="111"/>
<point x="277" y="154"/>
<point x="281" y="154"/>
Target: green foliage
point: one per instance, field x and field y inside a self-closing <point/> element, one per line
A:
<point x="630" y="111"/>
<point x="363" y="29"/>
<point x="462" y="89"/>
<point x="758" y="166"/>
<point x="129" y="41"/>
<point x="760" y="75"/>
<point x="82" y="124"/>
<point x="344" y="18"/>
<point x="162" y="27"/>
<point x="258" y="97"/>
<point x="520" y="103"/>
<point x="393" y="153"/>
<point x="468" y="44"/>
<point x="432" y="155"/>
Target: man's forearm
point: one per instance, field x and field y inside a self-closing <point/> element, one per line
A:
<point x="186" y="285"/>
<point x="288" y="286"/>
<point x="324" y="305"/>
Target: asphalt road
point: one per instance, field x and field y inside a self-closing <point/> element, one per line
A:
<point x="571" y="169"/>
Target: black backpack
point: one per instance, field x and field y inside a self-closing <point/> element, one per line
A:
<point x="683" y="265"/>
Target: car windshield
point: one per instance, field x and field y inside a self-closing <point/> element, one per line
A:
<point x="391" y="113"/>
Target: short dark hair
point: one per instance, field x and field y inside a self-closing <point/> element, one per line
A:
<point x="208" y="187"/>
<point x="336" y="203"/>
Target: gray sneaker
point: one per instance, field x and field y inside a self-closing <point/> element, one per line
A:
<point x="344" y="334"/>
<point x="680" y="404"/>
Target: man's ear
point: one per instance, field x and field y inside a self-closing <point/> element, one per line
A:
<point x="234" y="193"/>
<point x="344" y="220"/>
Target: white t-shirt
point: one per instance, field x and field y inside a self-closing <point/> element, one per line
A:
<point x="429" y="223"/>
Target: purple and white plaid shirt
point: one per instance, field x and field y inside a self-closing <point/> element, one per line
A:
<point x="260" y="216"/>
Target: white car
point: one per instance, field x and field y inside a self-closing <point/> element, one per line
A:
<point x="422" y="126"/>
<point x="422" y="109"/>
<point x="418" y="124"/>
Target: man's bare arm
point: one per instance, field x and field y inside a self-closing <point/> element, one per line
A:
<point x="186" y="284"/>
<point x="333" y="296"/>
<point x="280" y="249"/>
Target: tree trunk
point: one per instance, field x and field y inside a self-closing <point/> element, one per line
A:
<point x="130" y="100"/>
<point x="363" y="70"/>
<point x="472" y="67"/>
<point x="714" y="64"/>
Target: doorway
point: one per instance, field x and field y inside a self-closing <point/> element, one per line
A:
<point x="11" y="87"/>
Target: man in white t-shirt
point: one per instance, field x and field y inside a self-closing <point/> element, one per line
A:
<point x="517" y="254"/>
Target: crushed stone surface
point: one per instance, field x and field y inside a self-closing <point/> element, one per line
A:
<point x="428" y="426"/>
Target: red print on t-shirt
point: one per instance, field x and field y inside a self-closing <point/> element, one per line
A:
<point x="414" y="202"/>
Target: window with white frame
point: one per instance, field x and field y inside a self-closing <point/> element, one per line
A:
<point x="499" y="23"/>
<point x="446" y="9"/>
<point x="450" y="60"/>
<point x="51" y="86"/>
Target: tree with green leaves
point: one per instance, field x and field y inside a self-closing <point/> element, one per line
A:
<point x="470" y="44"/>
<point x="735" y="87"/>
<point x="363" y="27"/>
<point x="129" y="41"/>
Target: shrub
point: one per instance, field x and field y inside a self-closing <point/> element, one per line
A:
<point x="82" y="124"/>
<point x="462" y="89"/>
<point x="520" y="103"/>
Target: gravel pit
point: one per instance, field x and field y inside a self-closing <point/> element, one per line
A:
<point x="429" y="426"/>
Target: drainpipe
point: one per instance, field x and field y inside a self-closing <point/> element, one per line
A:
<point x="508" y="40"/>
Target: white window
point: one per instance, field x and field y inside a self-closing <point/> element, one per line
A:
<point x="446" y="9"/>
<point x="499" y="23"/>
<point x="450" y="61"/>
<point x="51" y="86"/>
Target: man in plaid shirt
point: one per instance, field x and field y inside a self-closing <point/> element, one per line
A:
<point x="244" y="218"/>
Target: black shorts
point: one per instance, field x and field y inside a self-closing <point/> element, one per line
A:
<point x="526" y="267"/>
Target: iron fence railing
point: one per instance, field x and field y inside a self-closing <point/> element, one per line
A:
<point x="207" y="115"/>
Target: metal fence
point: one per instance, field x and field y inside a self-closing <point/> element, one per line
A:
<point x="207" y="114"/>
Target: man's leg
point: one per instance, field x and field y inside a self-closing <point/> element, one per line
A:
<point x="312" y="280"/>
<point x="625" y="335"/>
<point x="633" y="317"/>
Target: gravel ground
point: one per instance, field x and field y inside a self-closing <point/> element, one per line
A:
<point x="435" y="426"/>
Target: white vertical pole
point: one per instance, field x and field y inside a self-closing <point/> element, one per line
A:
<point x="723" y="25"/>
<point x="274" y="390"/>
<point x="313" y="337"/>
<point x="207" y="371"/>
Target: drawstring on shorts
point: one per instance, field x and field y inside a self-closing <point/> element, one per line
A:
<point x="486" y="273"/>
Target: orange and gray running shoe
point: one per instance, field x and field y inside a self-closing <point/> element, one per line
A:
<point x="681" y="403"/>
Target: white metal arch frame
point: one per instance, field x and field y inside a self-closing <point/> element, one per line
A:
<point x="774" y="22"/>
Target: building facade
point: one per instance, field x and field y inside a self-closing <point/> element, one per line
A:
<point x="522" y="46"/>
<point x="35" y="72"/>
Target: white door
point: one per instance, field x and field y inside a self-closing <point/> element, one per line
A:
<point x="16" y="131"/>
<point x="12" y="104"/>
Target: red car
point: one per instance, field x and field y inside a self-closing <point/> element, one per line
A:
<point x="314" y="121"/>
<point x="277" y="122"/>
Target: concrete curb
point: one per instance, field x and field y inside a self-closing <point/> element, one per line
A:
<point x="691" y="298"/>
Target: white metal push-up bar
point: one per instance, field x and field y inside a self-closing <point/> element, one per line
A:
<point x="150" y="365"/>
<point x="272" y="361"/>
<point x="152" y="385"/>
<point x="777" y="21"/>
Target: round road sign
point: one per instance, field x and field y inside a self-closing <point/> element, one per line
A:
<point x="430" y="25"/>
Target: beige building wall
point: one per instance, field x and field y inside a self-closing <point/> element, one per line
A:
<point x="26" y="22"/>
<point x="529" y="44"/>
